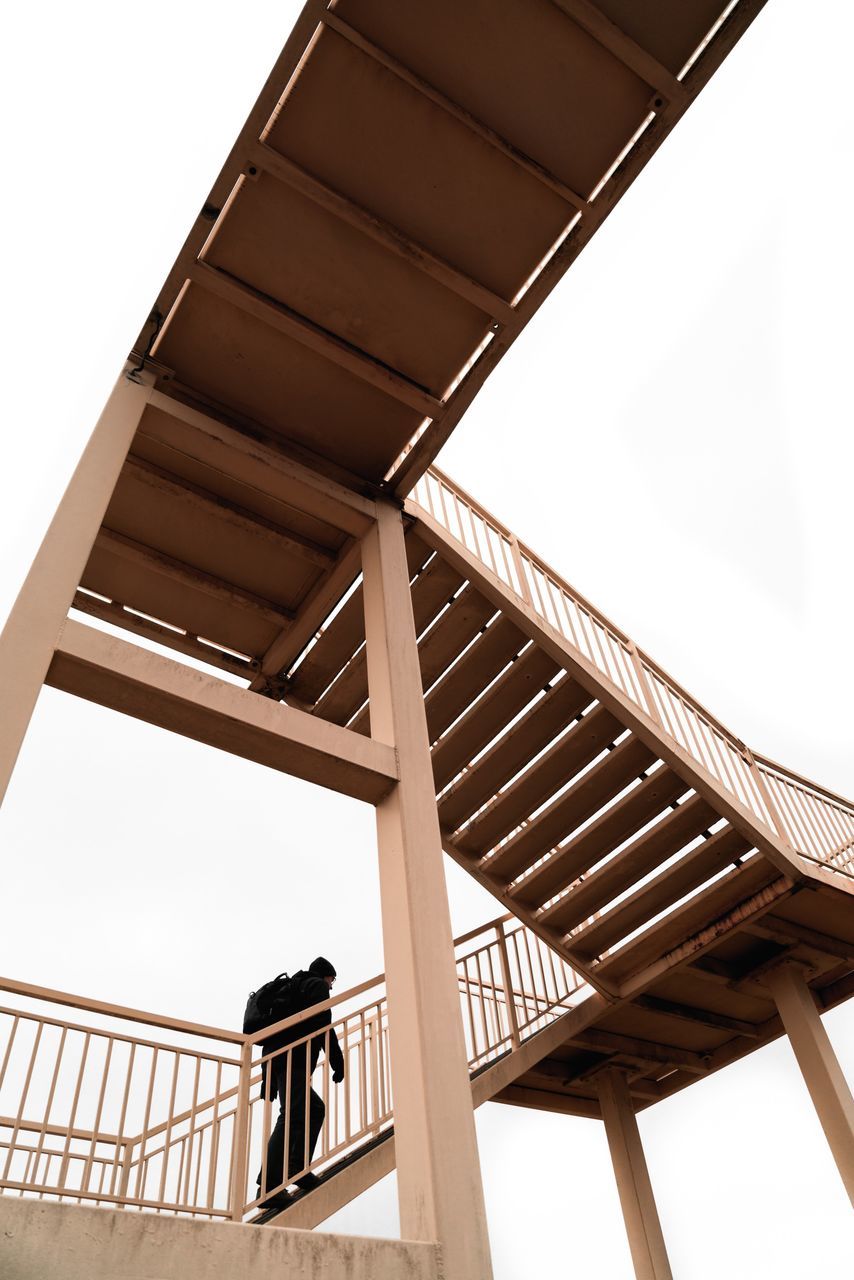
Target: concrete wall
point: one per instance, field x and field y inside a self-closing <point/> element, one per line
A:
<point x="40" y="1241"/>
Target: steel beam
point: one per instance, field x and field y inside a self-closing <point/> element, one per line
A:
<point x="96" y="666"/>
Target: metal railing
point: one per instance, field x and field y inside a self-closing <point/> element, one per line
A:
<point x="816" y="824"/>
<point x="136" y="1111"/>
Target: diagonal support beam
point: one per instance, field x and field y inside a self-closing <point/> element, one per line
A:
<point x="646" y="1239"/>
<point x="263" y="157"/>
<point x="241" y="457"/>
<point x="28" y="638"/>
<point x="609" y="35"/>
<point x="198" y="499"/>
<point x="820" y="1067"/>
<point x="320" y="602"/>
<point x="310" y="335"/>
<point x="476" y="126"/>
<point x="188" y="576"/>
<point x="127" y="678"/>
<point x="161" y="633"/>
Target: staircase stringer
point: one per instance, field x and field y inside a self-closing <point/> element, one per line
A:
<point x="759" y="833"/>
<point x="310" y="1210"/>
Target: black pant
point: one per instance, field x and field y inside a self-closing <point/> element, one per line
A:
<point x="298" y="1156"/>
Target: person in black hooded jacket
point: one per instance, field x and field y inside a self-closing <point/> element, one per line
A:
<point x="308" y="987"/>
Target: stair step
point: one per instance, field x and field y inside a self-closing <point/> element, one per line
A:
<point x="678" y="828"/>
<point x="634" y="810"/>
<point x="491" y="713"/>
<point x="534" y="731"/>
<point x="584" y="798"/>
<point x="668" y="887"/>
<point x="582" y="743"/>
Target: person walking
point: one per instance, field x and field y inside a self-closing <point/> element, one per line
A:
<point x="287" y="1077"/>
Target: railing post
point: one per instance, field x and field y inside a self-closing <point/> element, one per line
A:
<point x="374" y="1034"/>
<point x="126" y="1167"/>
<point x="643" y="682"/>
<point x="240" y="1140"/>
<point x="765" y="793"/>
<point x="519" y="564"/>
<point x="509" y="998"/>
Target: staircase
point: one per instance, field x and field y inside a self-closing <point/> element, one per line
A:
<point x="110" y="1112"/>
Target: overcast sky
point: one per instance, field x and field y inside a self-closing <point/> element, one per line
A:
<point x="672" y="432"/>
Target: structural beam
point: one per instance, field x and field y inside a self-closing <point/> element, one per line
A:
<point x="383" y="233"/>
<point x="200" y="500"/>
<point x="30" y="634"/>
<point x="241" y="457"/>
<point x="609" y="35"/>
<point x="646" y="1240"/>
<point x="96" y="666"/>
<point x="440" y="1191"/>
<point x="319" y="603"/>
<point x="819" y="1064"/>
<point x="190" y="577"/>
<point x="161" y="633"/>
<point x="310" y="335"/>
<point x="476" y="126"/>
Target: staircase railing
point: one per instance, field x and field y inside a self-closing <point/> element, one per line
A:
<point x="134" y="1110"/>
<point x="815" y="823"/>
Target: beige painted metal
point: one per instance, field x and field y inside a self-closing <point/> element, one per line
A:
<point x="646" y="1241"/>
<point x="202" y="1141"/>
<point x="818" y="1062"/>
<point x="104" y="669"/>
<point x="821" y="834"/>
<point x="30" y="634"/>
<point x="440" y="1190"/>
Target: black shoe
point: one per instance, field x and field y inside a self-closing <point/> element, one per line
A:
<point x="307" y="1182"/>
<point x="279" y="1200"/>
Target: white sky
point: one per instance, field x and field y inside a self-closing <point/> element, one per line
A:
<point x="684" y="407"/>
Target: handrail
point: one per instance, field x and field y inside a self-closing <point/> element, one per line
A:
<point x="119" y="1011"/>
<point x="819" y="828"/>
<point x="185" y="1132"/>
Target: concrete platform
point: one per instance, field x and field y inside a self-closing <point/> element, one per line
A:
<point x="40" y="1240"/>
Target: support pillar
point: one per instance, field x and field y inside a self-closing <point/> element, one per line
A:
<point x="439" y="1182"/>
<point x="819" y="1064"/>
<point x="28" y="639"/>
<point x="646" y="1240"/>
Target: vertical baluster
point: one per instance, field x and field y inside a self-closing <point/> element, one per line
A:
<point x="66" y="1154"/>
<point x="240" y="1141"/>
<point x="191" y="1130"/>
<point x="122" y="1165"/>
<point x="16" y="1127"/>
<point x="98" y="1112"/>
<point x="215" y="1137"/>
<point x="509" y="998"/>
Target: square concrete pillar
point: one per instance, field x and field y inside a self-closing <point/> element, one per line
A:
<point x="441" y="1195"/>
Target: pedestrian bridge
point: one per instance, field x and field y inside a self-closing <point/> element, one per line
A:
<point x="258" y="552"/>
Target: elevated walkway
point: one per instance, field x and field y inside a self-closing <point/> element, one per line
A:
<point x="257" y="508"/>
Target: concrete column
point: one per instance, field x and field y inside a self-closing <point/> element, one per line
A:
<point x="28" y="639"/>
<point x="646" y="1240"/>
<point x="439" y="1182"/>
<point x="818" y="1063"/>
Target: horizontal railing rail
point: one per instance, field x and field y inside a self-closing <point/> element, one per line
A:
<point x="133" y="1110"/>
<point x="807" y="818"/>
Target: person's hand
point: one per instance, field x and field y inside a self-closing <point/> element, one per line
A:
<point x="338" y="1075"/>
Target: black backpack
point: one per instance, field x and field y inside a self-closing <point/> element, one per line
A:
<point x="272" y="1002"/>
